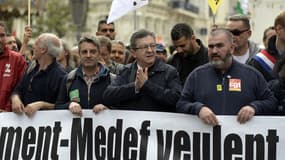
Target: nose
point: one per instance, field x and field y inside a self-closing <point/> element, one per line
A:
<point x="88" y="54"/>
<point x="117" y="54"/>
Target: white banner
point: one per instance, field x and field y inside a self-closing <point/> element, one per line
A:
<point x="138" y="135"/>
<point x="120" y="8"/>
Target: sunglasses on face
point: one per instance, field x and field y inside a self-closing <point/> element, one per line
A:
<point x="237" y="32"/>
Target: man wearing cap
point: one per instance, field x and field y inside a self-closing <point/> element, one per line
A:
<point x="161" y="52"/>
<point x="39" y="87"/>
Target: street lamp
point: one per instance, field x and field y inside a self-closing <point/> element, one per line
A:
<point x="79" y="10"/>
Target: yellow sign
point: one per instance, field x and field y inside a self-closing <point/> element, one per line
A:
<point x="219" y="87"/>
<point x="214" y="4"/>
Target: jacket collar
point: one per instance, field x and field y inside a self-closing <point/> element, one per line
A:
<point x="103" y="71"/>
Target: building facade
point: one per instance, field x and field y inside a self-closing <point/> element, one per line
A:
<point x="158" y="16"/>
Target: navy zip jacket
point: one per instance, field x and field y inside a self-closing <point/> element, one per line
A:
<point x="159" y="93"/>
<point x="86" y="98"/>
<point x="226" y="94"/>
<point x="41" y="85"/>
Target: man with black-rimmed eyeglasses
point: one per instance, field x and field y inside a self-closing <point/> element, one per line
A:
<point x="239" y="26"/>
<point x="147" y="84"/>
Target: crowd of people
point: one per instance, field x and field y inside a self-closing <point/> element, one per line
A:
<point x="231" y="76"/>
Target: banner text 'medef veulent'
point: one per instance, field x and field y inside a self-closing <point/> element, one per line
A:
<point x="126" y="142"/>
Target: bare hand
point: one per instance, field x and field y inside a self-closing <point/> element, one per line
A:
<point x="27" y="34"/>
<point x="17" y="105"/>
<point x="141" y="78"/>
<point x="208" y="117"/>
<point x="98" y="108"/>
<point x="75" y="108"/>
<point x="31" y="108"/>
<point x="245" y="114"/>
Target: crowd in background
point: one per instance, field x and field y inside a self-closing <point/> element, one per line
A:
<point x="230" y="76"/>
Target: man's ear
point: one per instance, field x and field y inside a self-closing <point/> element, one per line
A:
<point x="278" y="28"/>
<point x="249" y="33"/>
<point x="193" y="37"/>
<point x="133" y="52"/>
<point x="44" y="50"/>
<point x="232" y="49"/>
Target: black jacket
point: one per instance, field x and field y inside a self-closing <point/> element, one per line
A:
<point x="186" y="64"/>
<point x="41" y="85"/>
<point x="277" y="86"/>
<point x="159" y="93"/>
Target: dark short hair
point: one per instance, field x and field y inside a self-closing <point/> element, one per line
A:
<point x="139" y="34"/>
<point x="104" y="21"/>
<point x="181" y="30"/>
<point x="18" y="41"/>
<point x="240" y="17"/>
<point x="280" y="19"/>
<point x="265" y="31"/>
<point x="88" y="39"/>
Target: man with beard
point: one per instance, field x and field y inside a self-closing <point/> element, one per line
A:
<point x="105" y="29"/>
<point x="225" y="86"/>
<point x="191" y="52"/>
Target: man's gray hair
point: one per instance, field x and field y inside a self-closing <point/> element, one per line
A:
<point x="218" y="31"/>
<point x="52" y="43"/>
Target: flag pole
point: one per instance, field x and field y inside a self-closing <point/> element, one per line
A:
<point x="135" y="20"/>
<point x="29" y="12"/>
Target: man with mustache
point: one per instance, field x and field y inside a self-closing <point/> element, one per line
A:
<point x="225" y="86"/>
<point x="191" y="52"/>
